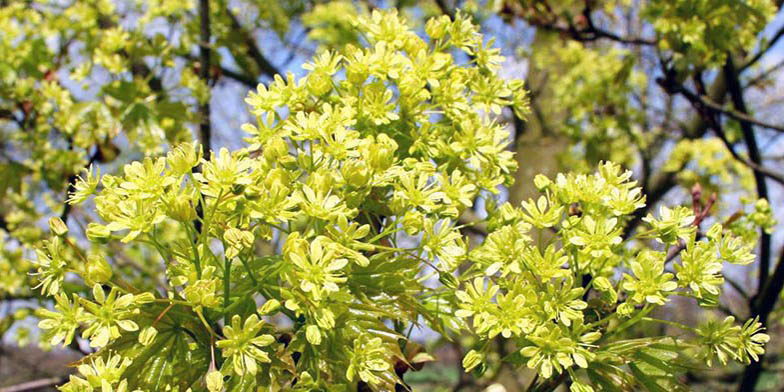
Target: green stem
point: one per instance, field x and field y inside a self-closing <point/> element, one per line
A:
<point x="196" y="258"/>
<point x="247" y="268"/>
<point x="628" y="323"/>
<point x="206" y="324"/>
<point x="671" y="323"/>
<point x="226" y="289"/>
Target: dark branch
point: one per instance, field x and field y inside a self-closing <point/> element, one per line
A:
<point x="762" y="306"/>
<point x="736" y="94"/>
<point x="753" y="166"/>
<point x="753" y="60"/>
<point x="590" y="33"/>
<point x="445" y="8"/>
<point x="242" y="78"/>
<point x="204" y="73"/>
<point x="70" y="187"/>
<point x="710" y="112"/>
<point x="734" y="114"/>
<point x="253" y="49"/>
<point x="764" y="74"/>
<point x="35" y="385"/>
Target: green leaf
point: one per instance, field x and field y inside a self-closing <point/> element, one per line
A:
<point x="177" y="358"/>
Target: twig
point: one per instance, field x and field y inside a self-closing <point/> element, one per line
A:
<point x="762" y="51"/>
<point x="715" y="107"/>
<point x="736" y="94"/>
<point x="204" y="73"/>
<point x="35" y="385"/>
<point x="253" y="49"/>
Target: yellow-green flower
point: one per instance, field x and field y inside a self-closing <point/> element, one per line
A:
<point x="243" y="344"/>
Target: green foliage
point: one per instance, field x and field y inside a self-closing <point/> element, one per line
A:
<point x="595" y="89"/>
<point x="559" y="325"/>
<point x="305" y="259"/>
<point x="403" y="143"/>
<point x="701" y="32"/>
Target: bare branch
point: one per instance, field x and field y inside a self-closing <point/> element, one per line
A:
<point x="204" y="73"/>
<point x="253" y="49"/>
<point x="762" y="51"/>
<point x="734" y="114"/>
<point x="736" y="94"/>
<point x="35" y="385"/>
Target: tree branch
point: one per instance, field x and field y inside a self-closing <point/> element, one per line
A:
<point x="713" y="106"/>
<point x="204" y="73"/>
<point x="590" y="33"/>
<point x="764" y="74"/>
<point x="762" y="306"/>
<point x="35" y="385"/>
<point x="239" y="77"/>
<point x="71" y="185"/>
<point x="253" y="49"/>
<point x="762" y="51"/>
<point x="736" y="94"/>
<point x="709" y="111"/>
<point x="445" y="9"/>
<point x="661" y="185"/>
<point x="753" y="166"/>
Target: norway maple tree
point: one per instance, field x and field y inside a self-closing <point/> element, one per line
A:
<point x="384" y="189"/>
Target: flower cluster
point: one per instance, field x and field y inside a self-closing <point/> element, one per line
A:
<point x="359" y="170"/>
<point x="344" y="219"/>
<point x="561" y="298"/>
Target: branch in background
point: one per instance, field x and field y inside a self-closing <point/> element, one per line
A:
<point x="471" y="222"/>
<point x="696" y="128"/>
<point x="753" y="166"/>
<point x="762" y="305"/>
<point x="244" y="79"/>
<point x="764" y="74"/>
<point x="588" y="33"/>
<point x="36" y="385"/>
<point x="710" y="111"/>
<point x="735" y="285"/>
<point x="715" y="107"/>
<point x="204" y="73"/>
<point x="736" y="94"/>
<point x="753" y="60"/>
<point x="71" y="185"/>
<point x="445" y="9"/>
<point x="253" y="49"/>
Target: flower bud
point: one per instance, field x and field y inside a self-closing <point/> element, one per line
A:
<point x="381" y="153"/>
<point x="275" y="148"/>
<point x="147" y="335"/>
<point x="183" y="158"/>
<point x="57" y="226"/>
<point x="98" y="269"/>
<point x="98" y="233"/>
<point x="541" y="182"/>
<point x="181" y="209"/>
<point x="214" y="380"/>
<point x="625" y="309"/>
<point x="448" y="280"/>
<point x="436" y="28"/>
<point x="269" y="307"/>
<point x="237" y="241"/>
<point x="356" y="173"/>
<point x="413" y="222"/>
<point x="277" y="178"/>
<point x="471" y="360"/>
<point x="318" y="83"/>
<point x="313" y="335"/>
